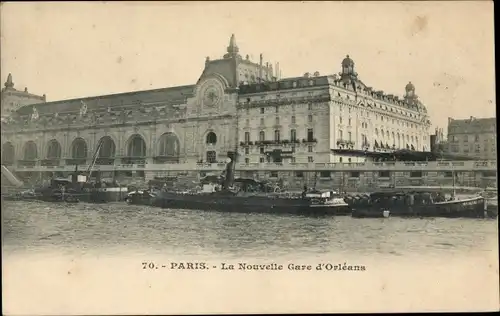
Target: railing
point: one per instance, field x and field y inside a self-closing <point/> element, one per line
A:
<point x="133" y="160"/>
<point x="51" y="162"/>
<point x="140" y="164"/>
<point x="76" y="161"/>
<point x="105" y="161"/>
<point x="27" y="163"/>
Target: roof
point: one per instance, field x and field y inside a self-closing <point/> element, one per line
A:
<point x="473" y="120"/>
<point x="174" y="95"/>
<point x="284" y="84"/>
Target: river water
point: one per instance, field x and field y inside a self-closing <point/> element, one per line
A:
<point x="411" y="264"/>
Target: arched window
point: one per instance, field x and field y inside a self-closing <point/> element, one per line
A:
<point x="79" y="149"/>
<point x="30" y="151"/>
<point x="211" y="138"/>
<point x="108" y="147"/>
<point x="169" y="147"/>
<point x="54" y="150"/>
<point x="8" y="153"/>
<point x="136" y="146"/>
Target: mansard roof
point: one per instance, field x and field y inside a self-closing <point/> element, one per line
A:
<point x="284" y="84"/>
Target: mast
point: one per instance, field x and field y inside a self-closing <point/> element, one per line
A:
<point x="94" y="159"/>
<point x="315" y="179"/>
<point x="453" y="174"/>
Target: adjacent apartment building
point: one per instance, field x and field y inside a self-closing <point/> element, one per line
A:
<point x="473" y="137"/>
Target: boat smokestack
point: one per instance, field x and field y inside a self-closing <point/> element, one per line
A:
<point x="231" y="162"/>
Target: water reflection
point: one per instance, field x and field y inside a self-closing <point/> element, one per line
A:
<point x="119" y="228"/>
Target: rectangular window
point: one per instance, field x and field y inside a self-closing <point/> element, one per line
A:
<point x="310" y="149"/>
<point x="299" y="174"/>
<point x="261" y="110"/>
<point x="261" y="150"/>
<point x="277" y="120"/>
<point x="310" y="159"/>
<point x="211" y="156"/>
<point x="293" y="119"/>
<point x="262" y="136"/>
<point x="274" y="174"/>
<point x="310" y="107"/>
<point x="416" y="174"/>
<point x="261" y="160"/>
<point x="354" y="174"/>
<point x="310" y="134"/>
<point x="324" y="174"/>
<point x="384" y="174"/>
<point x="293" y="135"/>
<point x="293" y="159"/>
<point x="247" y="137"/>
<point x="349" y="122"/>
<point x="262" y="121"/>
<point x="277" y="135"/>
<point x="247" y="151"/>
<point x="350" y="136"/>
<point x="247" y="161"/>
<point x="309" y="118"/>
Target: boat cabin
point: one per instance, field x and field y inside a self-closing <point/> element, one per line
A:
<point x="324" y="197"/>
<point x="405" y="198"/>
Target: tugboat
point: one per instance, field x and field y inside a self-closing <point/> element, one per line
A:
<point x="250" y="197"/>
<point x="78" y="189"/>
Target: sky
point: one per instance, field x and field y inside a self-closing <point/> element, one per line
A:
<point x="79" y="49"/>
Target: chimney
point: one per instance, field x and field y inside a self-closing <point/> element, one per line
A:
<point x="260" y="68"/>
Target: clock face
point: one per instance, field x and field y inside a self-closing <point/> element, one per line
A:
<point x="211" y="96"/>
<point x="211" y="93"/>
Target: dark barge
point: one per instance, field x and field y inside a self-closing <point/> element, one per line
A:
<point x="419" y="203"/>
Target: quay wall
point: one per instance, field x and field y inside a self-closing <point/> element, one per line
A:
<point x="363" y="176"/>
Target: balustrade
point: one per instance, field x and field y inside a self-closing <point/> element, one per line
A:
<point x="50" y="162"/>
<point x="135" y="163"/>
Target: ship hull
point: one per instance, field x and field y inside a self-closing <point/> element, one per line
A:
<point x="238" y="204"/>
<point x="93" y="195"/>
<point x="468" y="208"/>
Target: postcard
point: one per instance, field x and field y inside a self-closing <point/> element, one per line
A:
<point x="248" y="157"/>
